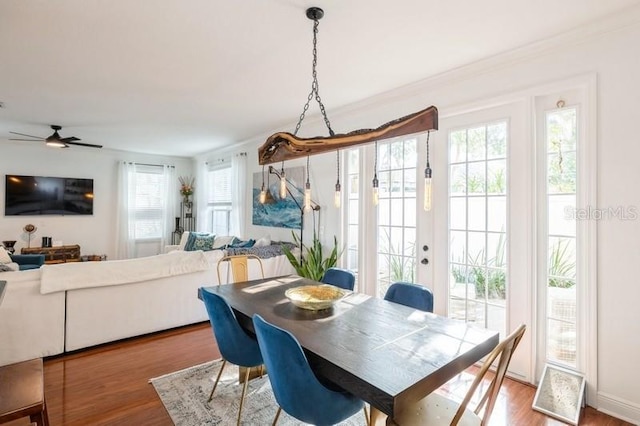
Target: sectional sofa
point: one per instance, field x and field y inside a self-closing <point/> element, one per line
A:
<point x="66" y="307"/>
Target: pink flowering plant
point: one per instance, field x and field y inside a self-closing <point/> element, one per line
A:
<point x="186" y="186"/>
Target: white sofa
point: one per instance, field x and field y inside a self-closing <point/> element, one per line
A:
<point x="69" y="317"/>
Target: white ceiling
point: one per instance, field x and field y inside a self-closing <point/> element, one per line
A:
<point x="181" y="77"/>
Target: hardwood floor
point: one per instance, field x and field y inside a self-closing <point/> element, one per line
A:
<point x="109" y="385"/>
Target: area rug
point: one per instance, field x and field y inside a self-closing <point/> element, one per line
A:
<point x="185" y="393"/>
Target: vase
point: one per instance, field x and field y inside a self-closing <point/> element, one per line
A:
<point x="178" y="228"/>
<point x="186" y="199"/>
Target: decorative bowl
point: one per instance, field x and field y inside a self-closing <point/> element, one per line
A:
<point x="315" y="297"/>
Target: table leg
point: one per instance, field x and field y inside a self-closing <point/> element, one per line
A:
<point x="255" y="372"/>
<point x="376" y="417"/>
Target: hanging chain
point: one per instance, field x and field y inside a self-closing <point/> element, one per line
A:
<point x="314" y="87"/>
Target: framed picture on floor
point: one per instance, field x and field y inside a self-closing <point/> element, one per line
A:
<point x="560" y="394"/>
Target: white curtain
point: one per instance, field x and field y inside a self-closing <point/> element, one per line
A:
<point x="238" y="194"/>
<point x="125" y="245"/>
<point x="201" y="200"/>
<point x="170" y="194"/>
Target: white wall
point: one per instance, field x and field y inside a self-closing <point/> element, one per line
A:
<point x="610" y="51"/>
<point x="95" y="233"/>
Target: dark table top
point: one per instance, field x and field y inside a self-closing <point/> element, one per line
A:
<point x="385" y="353"/>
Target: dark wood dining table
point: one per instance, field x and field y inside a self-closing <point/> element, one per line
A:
<point x="385" y="353"/>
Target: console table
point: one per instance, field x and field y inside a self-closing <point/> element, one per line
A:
<point x="57" y="254"/>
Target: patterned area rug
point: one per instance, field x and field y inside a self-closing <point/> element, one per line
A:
<point x="185" y="393"/>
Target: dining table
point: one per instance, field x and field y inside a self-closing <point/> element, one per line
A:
<point x="387" y="354"/>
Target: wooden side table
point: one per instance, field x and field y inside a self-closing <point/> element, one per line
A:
<point x="22" y="392"/>
<point x="56" y="254"/>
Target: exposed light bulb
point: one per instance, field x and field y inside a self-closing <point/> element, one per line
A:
<point x="283" y="185"/>
<point x="263" y="195"/>
<point x="427" y="189"/>
<point x="307" y="196"/>
<point x="427" y="194"/>
<point x="375" y="190"/>
<point x="337" y="198"/>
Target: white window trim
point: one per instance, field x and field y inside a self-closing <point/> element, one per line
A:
<point x="586" y="230"/>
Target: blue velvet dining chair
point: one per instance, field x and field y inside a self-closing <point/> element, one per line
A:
<point x="236" y="346"/>
<point x="412" y="295"/>
<point x="297" y="390"/>
<point x="339" y="277"/>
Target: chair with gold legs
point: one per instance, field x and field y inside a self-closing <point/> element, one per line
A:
<point x="436" y="409"/>
<point x="236" y="346"/>
<point x="239" y="265"/>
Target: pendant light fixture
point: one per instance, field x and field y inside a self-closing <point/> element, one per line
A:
<point x="427" y="180"/>
<point x="337" y="198"/>
<point x="375" y="176"/>
<point x="263" y="192"/>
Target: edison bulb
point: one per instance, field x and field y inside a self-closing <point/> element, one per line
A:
<point x="375" y="191"/>
<point x="263" y="195"/>
<point x="307" y="197"/>
<point x="337" y="197"/>
<point x="427" y="194"/>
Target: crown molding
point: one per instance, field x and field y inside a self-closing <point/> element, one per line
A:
<point x="629" y="17"/>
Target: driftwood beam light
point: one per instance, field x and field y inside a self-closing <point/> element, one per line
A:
<point x="283" y="146"/>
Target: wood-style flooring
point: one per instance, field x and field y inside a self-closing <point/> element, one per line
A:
<point x="108" y="385"/>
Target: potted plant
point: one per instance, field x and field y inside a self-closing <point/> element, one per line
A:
<point x="312" y="264"/>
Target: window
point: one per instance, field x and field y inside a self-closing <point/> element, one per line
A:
<point x="560" y="145"/>
<point x="478" y="223"/>
<point x="353" y="211"/>
<point x="148" y="204"/>
<point x="396" y="213"/>
<point x="219" y="200"/>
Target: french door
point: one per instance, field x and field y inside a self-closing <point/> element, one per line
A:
<point x="482" y="222"/>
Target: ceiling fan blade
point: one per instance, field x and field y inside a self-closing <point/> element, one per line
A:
<point x="70" y="139"/>
<point x="30" y="136"/>
<point x="82" y="144"/>
<point x="29" y="140"/>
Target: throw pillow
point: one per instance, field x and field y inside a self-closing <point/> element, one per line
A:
<point x="183" y="240"/>
<point x="222" y="242"/>
<point x="4" y="256"/>
<point x="242" y="244"/>
<point x="199" y="241"/>
<point x="263" y="242"/>
<point x="5" y="267"/>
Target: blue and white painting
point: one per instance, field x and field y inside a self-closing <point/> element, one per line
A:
<point x="278" y="212"/>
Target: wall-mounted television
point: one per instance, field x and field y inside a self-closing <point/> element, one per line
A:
<point x="41" y="195"/>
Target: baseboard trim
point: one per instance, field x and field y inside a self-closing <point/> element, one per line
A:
<point x="618" y="407"/>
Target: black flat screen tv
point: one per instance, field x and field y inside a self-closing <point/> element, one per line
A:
<point x="40" y="195"/>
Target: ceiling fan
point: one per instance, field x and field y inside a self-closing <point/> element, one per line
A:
<point x="55" y="140"/>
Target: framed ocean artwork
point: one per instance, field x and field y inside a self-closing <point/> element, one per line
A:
<point x="279" y="212"/>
